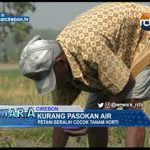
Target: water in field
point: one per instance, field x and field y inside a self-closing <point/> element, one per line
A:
<point x="17" y="90"/>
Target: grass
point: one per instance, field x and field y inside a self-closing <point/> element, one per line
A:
<point x="18" y="90"/>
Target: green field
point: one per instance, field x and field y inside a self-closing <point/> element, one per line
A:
<point x="17" y="90"/>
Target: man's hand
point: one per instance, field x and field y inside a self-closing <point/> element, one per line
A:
<point x="78" y="132"/>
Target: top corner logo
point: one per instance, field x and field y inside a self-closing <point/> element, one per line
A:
<point x="145" y="21"/>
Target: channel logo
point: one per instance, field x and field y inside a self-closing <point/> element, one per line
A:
<point x="145" y="21"/>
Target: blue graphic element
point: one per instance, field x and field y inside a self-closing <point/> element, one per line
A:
<point x="3" y="14"/>
<point x="7" y="18"/>
<point x="145" y="24"/>
<point x="29" y="118"/>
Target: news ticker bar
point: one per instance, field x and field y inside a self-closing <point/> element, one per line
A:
<point x="30" y="116"/>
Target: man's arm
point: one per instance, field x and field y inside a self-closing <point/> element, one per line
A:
<point x="120" y="97"/>
<point x="64" y="94"/>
